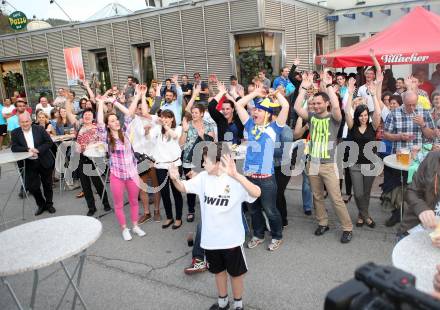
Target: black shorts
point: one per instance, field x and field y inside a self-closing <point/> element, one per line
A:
<point x="232" y="260"/>
<point x="3" y="130"/>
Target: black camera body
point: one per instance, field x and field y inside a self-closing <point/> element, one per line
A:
<point x="379" y="287"/>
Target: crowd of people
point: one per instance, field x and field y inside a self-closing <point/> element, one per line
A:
<point x="183" y="138"/>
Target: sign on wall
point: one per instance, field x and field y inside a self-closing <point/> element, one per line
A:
<point x="74" y="65"/>
<point x="17" y="20"/>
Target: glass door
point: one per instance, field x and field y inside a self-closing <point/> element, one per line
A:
<point x="37" y="81"/>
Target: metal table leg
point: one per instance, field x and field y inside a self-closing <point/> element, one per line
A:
<point x="21" y="180"/>
<point x="70" y="277"/>
<point x="34" y="289"/>
<point x="11" y="291"/>
<point x="78" y="279"/>
<point x="104" y="181"/>
<point x="403" y="200"/>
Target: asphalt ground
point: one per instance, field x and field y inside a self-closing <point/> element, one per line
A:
<point x="147" y="273"/>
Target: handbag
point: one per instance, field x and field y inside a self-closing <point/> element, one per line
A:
<point x="144" y="162"/>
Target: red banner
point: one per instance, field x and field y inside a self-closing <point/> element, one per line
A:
<point x="74" y="65"/>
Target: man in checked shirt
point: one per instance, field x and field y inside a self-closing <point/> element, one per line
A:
<point x="406" y="127"/>
<point x="409" y="125"/>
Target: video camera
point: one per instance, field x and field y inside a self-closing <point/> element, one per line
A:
<point x="379" y="287"/>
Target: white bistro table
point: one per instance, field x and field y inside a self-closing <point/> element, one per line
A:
<point x="38" y="244"/>
<point x="416" y="254"/>
<point x="8" y="157"/>
<point x="391" y="161"/>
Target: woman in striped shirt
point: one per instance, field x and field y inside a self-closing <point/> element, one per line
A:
<point x="123" y="170"/>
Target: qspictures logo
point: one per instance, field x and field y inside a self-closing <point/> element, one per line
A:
<point x="399" y="58"/>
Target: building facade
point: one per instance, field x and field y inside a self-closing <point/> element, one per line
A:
<point x="226" y="37"/>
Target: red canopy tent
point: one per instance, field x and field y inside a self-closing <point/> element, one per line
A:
<point x="414" y="39"/>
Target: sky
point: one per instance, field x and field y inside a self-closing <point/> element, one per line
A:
<point x="77" y="9"/>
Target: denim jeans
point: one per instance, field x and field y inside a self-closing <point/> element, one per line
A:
<point x="197" y="251"/>
<point x="306" y="193"/>
<point x="268" y="203"/>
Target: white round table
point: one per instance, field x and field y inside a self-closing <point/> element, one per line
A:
<point x="41" y="243"/>
<point x="62" y="138"/>
<point x="391" y="161"/>
<point x="416" y="254"/>
<point x="7" y="157"/>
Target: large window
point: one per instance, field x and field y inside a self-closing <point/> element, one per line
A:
<point x="12" y="79"/>
<point x="143" y="63"/>
<point x="37" y="80"/>
<point x="349" y="40"/>
<point x="255" y="51"/>
<point x="103" y="71"/>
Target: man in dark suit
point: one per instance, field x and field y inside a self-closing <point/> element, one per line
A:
<point x="39" y="168"/>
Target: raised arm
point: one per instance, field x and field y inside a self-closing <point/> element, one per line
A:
<point x="89" y="90"/>
<point x="284" y="113"/>
<point x="157" y="100"/>
<point x="69" y="109"/>
<point x="228" y="165"/>
<point x="140" y="93"/>
<point x="185" y="128"/>
<point x="196" y="92"/>
<point x="379" y="81"/>
<point x="100" y="112"/>
<point x="348" y="106"/>
<point x="299" y="128"/>
<point x="239" y="106"/>
<point x="334" y="101"/>
<point x="376" y="114"/>
<point x="375" y="62"/>
<point x="292" y="72"/>
<point x="307" y="82"/>
<point x="175" y="80"/>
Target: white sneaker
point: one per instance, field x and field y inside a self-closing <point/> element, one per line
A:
<point x="126" y="234"/>
<point x="138" y="231"/>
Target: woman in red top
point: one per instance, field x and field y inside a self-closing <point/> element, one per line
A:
<point x="87" y="137"/>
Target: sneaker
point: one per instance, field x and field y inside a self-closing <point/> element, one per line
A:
<point x="197" y="265"/>
<point x="156" y="216"/>
<point x="275" y="244"/>
<point x="126" y="234"/>
<point x="138" y="231"/>
<point x="107" y="208"/>
<point x="308" y="212"/>
<point x="145" y="218"/>
<point x="346" y="236"/>
<point x="321" y="230"/>
<point x="217" y="307"/>
<point x="254" y="242"/>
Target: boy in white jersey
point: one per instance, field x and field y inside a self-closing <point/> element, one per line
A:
<point x="221" y="190"/>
